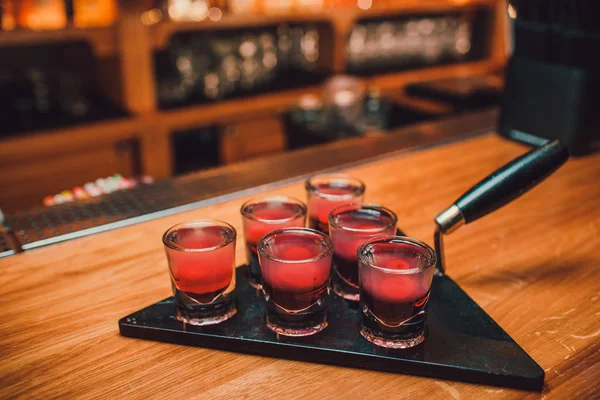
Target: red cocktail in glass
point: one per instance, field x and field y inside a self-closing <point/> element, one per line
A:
<point x="395" y="281"/>
<point x="264" y="215"/>
<point x="295" y="264"/>
<point x="350" y="226"/>
<point x="201" y="257"/>
<point x="326" y="192"/>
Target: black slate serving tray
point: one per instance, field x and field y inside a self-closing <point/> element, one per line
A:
<point x="462" y="342"/>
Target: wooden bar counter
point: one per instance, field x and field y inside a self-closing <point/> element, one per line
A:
<point x="534" y="266"/>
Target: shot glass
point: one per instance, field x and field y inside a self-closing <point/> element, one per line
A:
<point x="201" y="257"/>
<point x="350" y="226"/>
<point x="264" y="215"/>
<point x="295" y="264"/>
<point x="395" y="282"/>
<point x="326" y="192"/>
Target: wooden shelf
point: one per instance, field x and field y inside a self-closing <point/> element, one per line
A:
<point x="39" y="143"/>
<point x="235" y="109"/>
<point x="421" y="6"/>
<point x="102" y="40"/>
<point x="341" y="20"/>
<point x="72" y="137"/>
<point x="14" y="149"/>
<point x="399" y="79"/>
<point x="230" y="110"/>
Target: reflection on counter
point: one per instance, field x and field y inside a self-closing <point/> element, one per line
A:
<point x="347" y="109"/>
<point x="308" y="126"/>
<point x="462" y="94"/>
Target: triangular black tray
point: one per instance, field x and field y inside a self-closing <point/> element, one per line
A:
<point x="462" y="342"/>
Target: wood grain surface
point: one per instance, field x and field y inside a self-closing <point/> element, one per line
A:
<point x="534" y="266"/>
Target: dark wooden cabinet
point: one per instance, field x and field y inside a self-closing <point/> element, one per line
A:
<point x="25" y="182"/>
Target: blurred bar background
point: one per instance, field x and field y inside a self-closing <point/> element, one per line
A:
<point x="128" y="89"/>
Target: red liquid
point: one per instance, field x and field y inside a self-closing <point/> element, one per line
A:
<point x="279" y="215"/>
<point x="296" y="277"/>
<point x="325" y="198"/>
<point x="295" y="286"/>
<point x="201" y="275"/>
<point x="395" y="302"/>
<point x="272" y="212"/>
<point x="268" y="213"/>
<point x="295" y="265"/>
<point x="360" y="226"/>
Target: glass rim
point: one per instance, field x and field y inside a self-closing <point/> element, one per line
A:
<point x="310" y="186"/>
<point x="430" y="253"/>
<point x="362" y="206"/>
<point x="283" y="199"/>
<point x="326" y="252"/>
<point x="199" y="223"/>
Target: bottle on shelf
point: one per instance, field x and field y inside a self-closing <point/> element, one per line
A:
<point x="94" y="13"/>
<point x="309" y="5"/>
<point x="188" y="10"/>
<point x="243" y="6"/>
<point x="220" y="4"/>
<point x="41" y="14"/>
<point x="408" y="43"/>
<point x="342" y="3"/>
<point x="277" y="6"/>
<point x="7" y="15"/>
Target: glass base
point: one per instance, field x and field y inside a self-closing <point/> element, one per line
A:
<point x="380" y="340"/>
<point x="193" y="319"/>
<point x="296" y="329"/>
<point x="191" y="311"/>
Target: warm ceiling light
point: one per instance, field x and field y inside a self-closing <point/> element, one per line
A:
<point x="8" y="23"/>
<point x="365" y="4"/>
<point x="215" y="14"/>
<point x="512" y="12"/>
<point x="197" y="11"/>
<point x="151" y="17"/>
